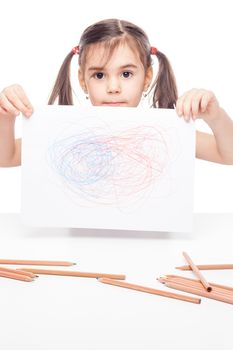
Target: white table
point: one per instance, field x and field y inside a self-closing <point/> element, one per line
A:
<point x="67" y="313"/>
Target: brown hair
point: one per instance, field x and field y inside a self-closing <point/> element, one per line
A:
<point x="111" y="33"/>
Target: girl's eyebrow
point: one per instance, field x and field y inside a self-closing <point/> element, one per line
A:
<point x="129" y="65"/>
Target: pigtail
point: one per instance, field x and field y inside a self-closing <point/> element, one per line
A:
<point x="62" y="86"/>
<point x="165" y="89"/>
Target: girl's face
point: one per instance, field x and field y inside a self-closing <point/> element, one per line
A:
<point x="120" y="82"/>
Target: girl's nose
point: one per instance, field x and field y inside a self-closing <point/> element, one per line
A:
<point x="113" y="86"/>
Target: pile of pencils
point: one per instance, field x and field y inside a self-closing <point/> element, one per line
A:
<point x="198" y="286"/>
<point x="29" y="274"/>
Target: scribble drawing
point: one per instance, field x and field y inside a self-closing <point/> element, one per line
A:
<point x="117" y="169"/>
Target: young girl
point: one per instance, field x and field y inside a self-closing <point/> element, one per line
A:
<point x="115" y="69"/>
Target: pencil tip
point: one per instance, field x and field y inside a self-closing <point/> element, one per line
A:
<point x="160" y="279"/>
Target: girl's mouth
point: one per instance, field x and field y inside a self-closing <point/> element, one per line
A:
<point x="112" y="103"/>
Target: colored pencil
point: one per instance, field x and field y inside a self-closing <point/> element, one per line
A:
<point x="202" y="293"/>
<point x="74" y="273"/>
<point x="19" y="272"/>
<point x="197" y="272"/>
<point x="150" y="290"/>
<point x="211" y="283"/>
<point x="207" y="267"/>
<point x="15" y="276"/>
<point x="195" y="284"/>
<point x="36" y="262"/>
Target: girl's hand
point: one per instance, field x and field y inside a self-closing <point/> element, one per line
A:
<point x="13" y="100"/>
<point x="198" y="103"/>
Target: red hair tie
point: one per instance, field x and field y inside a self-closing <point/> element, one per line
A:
<point x="75" y="50"/>
<point x="153" y="50"/>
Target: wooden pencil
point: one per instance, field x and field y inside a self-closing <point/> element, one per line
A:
<point x="150" y="290"/>
<point x="195" y="284"/>
<point x="15" y="276"/>
<point x="202" y="293"/>
<point x="75" y="273"/>
<point x="211" y="283"/>
<point x="19" y="272"/>
<point x="36" y="262"/>
<point x="197" y="272"/>
<point x="207" y="267"/>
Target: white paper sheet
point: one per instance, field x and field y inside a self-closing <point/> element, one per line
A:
<point x="108" y="168"/>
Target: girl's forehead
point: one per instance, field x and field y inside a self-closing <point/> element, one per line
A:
<point x="103" y="54"/>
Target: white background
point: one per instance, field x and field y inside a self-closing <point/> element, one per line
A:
<point x="68" y="313"/>
<point x="195" y="35"/>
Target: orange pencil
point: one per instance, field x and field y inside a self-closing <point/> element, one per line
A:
<point x="15" y="276"/>
<point x="74" y="273"/>
<point x="36" y="262"/>
<point x="202" y="293"/>
<point x="195" y="284"/>
<point x="19" y="272"/>
<point x="229" y="288"/>
<point x="207" y="267"/>
<point x="197" y="272"/>
<point x="150" y="290"/>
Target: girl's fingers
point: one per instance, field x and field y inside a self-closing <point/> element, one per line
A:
<point x="7" y="107"/>
<point x="3" y="112"/>
<point x="206" y="99"/>
<point x="179" y="105"/>
<point x="23" y="98"/>
<point x="187" y="104"/>
<point x="15" y="100"/>
<point x="196" y="103"/>
<point x="20" y="105"/>
<point x="193" y="103"/>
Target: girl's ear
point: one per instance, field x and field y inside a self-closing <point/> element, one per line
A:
<point x="82" y="81"/>
<point x="148" y="78"/>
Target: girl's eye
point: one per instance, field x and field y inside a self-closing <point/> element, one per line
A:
<point x="99" y="75"/>
<point x="126" y="74"/>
